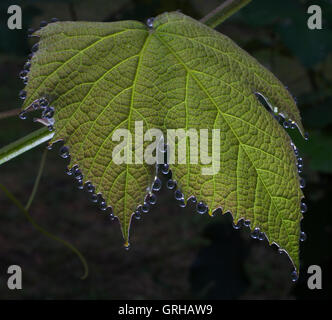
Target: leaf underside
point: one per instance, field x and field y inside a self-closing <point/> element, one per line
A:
<point x="100" y="77"/>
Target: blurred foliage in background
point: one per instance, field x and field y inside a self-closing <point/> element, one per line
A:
<point x="175" y="253"/>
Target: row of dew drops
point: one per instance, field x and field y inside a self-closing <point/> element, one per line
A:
<point x="150" y="198"/>
<point x="290" y="124"/>
<point x="41" y="103"/>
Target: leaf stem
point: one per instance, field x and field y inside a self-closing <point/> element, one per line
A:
<point x="36" y="184"/>
<point x="24" y="144"/>
<point x="222" y="12"/>
<point x="46" y="233"/>
<point x="9" y="113"/>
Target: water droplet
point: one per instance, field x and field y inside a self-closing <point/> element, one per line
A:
<point x="255" y="233"/>
<point x="171" y="184"/>
<point x="280" y="251"/>
<point x="80" y="184"/>
<point x="35" y="47"/>
<point x="23" y="74"/>
<point x="127" y="246"/>
<point x="261" y="236"/>
<point x="77" y="173"/>
<point x="303" y="236"/>
<point x="103" y="205"/>
<point x="304" y="207"/>
<point x="43" y="24"/>
<point x="201" y="208"/>
<point x="156" y="185"/>
<point x="292" y="125"/>
<point x="152" y="198"/>
<point x="193" y="199"/>
<point x="110" y="213"/>
<point x="286" y="124"/>
<point x="145" y="207"/>
<point x="35" y="105"/>
<point x="296" y="152"/>
<point x="165" y="168"/>
<point x="294" y="276"/>
<point x="69" y="172"/>
<point x="27" y="66"/>
<point x="22" y="94"/>
<point x="30" y="56"/>
<point x="149" y="22"/>
<point x="22" y="115"/>
<point x="43" y="102"/>
<point x="64" y="152"/>
<point x="306" y="136"/>
<point x="236" y="226"/>
<point x="299" y="162"/>
<point x="182" y="203"/>
<point x="49" y="147"/>
<point x="93" y="197"/>
<point x="246" y="223"/>
<point x="178" y="195"/>
<point x="48" y="112"/>
<point x="50" y="128"/>
<point x="302" y="183"/>
<point x="50" y="121"/>
<point x="31" y="31"/>
<point x="25" y="80"/>
<point x="54" y="20"/>
<point x="89" y="187"/>
<point x="137" y="215"/>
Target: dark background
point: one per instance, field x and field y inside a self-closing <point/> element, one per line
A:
<point x="175" y="253"/>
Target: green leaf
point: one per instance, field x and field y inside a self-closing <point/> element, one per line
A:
<point x="178" y="74"/>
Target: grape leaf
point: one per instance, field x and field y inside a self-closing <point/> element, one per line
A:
<point x="178" y="73"/>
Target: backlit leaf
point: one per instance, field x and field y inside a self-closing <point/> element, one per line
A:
<point x="100" y="77"/>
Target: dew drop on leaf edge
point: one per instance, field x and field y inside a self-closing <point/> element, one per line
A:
<point x="152" y="198"/>
<point x="255" y="233"/>
<point x="304" y="207"/>
<point x="93" y="197"/>
<point x="303" y="236"/>
<point x="22" y="115"/>
<point x="294" y="276"/>
<point x="156" y="184"/>
<point x="149" y="22"/>
<point x="178" y="195"/>
<point x="201" y="208"/>
<point x="35" y="47"/>
<point x="64" y="152"/>
<point x="22" y="94"/>
<point x="171" y="184"/>
<point x="236" y="226"/>
<point x="145" y="207"/>
<point x="246" y="223"/>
